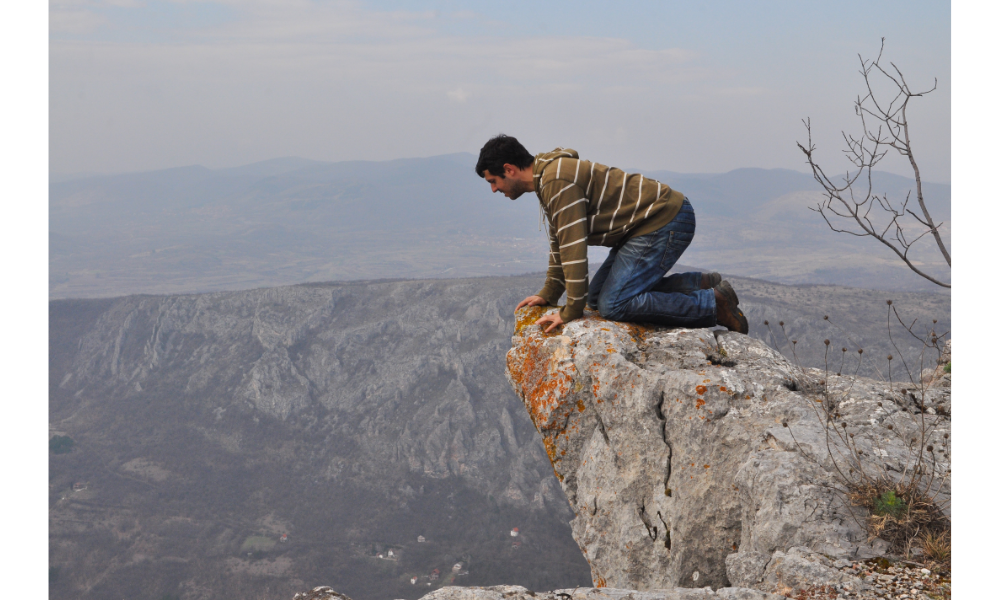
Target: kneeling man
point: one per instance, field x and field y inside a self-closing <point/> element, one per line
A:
<point x="646" y="224"/>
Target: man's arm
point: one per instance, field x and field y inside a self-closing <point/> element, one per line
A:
<point x="566" y="202"/>
<point x="554" y="286"/>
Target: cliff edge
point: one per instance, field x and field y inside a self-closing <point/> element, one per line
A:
<point x="697" y="457"/>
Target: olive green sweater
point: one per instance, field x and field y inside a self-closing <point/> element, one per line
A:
<point x="591" y="204"/>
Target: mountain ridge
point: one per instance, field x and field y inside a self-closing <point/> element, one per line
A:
<point x="292" y="221"/>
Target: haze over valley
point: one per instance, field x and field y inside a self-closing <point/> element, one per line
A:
<point x="289" y="221"/>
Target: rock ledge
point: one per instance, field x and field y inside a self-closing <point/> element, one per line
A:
<point x="698" y="457"/>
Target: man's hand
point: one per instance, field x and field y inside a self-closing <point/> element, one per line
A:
<point x="532" y="301"/>
<point x="553" y="318"/>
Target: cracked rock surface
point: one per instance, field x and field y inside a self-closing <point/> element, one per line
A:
<point x="697" y="457"/>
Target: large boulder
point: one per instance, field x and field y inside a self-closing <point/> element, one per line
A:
<point x="699" y="457"/>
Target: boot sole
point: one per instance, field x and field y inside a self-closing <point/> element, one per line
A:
<point x="744" y="325"/>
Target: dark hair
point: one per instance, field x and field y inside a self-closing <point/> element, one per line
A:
<point x="500" y="150"/>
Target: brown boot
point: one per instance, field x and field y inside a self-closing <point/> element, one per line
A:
<point x="726" y="289"/>
<point x="727" y="313"/>
<point x="710" y="280"/>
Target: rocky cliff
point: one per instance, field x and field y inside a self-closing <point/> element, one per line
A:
<point x="396" y="370"/>
<point x="697" y="458"/>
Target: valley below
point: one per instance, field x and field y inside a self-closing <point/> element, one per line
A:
<point x="256" y="443"/>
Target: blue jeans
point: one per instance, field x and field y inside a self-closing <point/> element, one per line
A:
<point x="630" y="285"/>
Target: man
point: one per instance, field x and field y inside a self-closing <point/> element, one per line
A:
<point x="646" y="224"/>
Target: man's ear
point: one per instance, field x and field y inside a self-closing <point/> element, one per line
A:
<point x="510" y="170"/>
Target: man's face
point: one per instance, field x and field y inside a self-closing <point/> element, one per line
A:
<point x="506" y="184"/>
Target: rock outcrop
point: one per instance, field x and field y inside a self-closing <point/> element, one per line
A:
<point x="322" y="592"/>
<point x="514" y="592"/>
<point x="697" y="458"/>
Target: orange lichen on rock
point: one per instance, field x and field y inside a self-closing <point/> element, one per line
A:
<point x="528" y="370"/>
<point x="636" y="332"/>
<point x="550" y="448"/>
<point x="701" y="389"/>
<point x="700" y="402"/>
<point x="546" y="396"/>
<point x="528" y="316"/>
<point x="540" y="383"/>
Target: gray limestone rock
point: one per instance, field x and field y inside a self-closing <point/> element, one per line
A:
<point x="513" y="592"/>
<point x="322" y="592"/>
<point x="800" y="568"/>
<point x="689" y="470"/>
<point x="497" y="592"/>
<point x="746" y="568"/>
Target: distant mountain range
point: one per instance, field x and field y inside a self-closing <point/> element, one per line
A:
<point x="292" y="220"/>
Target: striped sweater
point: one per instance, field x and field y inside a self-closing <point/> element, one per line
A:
<point x="591" y="204"/>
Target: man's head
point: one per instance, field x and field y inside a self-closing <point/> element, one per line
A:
<point x="506" y="165"/>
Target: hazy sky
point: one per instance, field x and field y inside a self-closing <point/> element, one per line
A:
<point x="685" y="86"/>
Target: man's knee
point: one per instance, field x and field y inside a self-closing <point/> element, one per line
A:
<point x="592" y="301"/>
<point x="611" y="310"/>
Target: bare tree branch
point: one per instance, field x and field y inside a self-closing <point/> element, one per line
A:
<point x="884" y="128"/>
